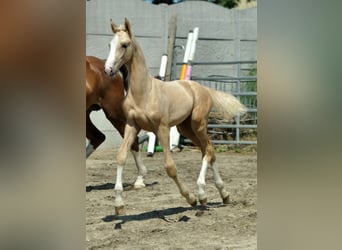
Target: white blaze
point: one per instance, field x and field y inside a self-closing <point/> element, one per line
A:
<point x="111" y="56"/>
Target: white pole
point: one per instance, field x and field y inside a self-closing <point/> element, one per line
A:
<point x="188" y="46"/>
<point x="163" y="64"/>
<point x="185" y="75"/>
<point x="152" y="136"/>
<point x="151" y="143"/>
<point x="193" y="44"/>
<point x="188" y="71"/>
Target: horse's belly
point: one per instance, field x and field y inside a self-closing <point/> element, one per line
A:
<point x="179" y="112"/>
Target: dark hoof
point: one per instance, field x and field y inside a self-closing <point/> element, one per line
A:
<point x="119" y="210"/>
<point x="194" y="204"/>
<point x="226" y="200"/>
<point x="203" y="202"/>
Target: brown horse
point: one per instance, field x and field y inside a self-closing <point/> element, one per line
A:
<point x="156" y="106"/>
<point x="108" y="93"/>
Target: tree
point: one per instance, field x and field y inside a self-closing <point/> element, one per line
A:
<point x="229" y="3"/>
<point x="162" y="1"/>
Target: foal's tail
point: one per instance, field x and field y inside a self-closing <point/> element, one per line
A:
<point x="227" y="103"/>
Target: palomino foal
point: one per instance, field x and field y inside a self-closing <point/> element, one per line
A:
<point x="107" y="93"/>
<point x="155" y="106"/>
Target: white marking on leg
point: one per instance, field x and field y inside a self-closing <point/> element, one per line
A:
<point x="89" y="149"/>
<point x="201" y="180"/>
<point x="118" y="187"/>
<point x="139" y="183"/>
<point x="218" y="182"/>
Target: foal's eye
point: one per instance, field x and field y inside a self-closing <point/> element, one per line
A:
<point x="125" y="45"/>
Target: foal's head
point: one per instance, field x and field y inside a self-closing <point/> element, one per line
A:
<point x="121" y="48"/>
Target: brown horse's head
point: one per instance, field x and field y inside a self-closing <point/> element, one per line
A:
<point x="121" y="47"/>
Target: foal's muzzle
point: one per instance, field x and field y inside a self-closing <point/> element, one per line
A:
<point x="110" y="71"/>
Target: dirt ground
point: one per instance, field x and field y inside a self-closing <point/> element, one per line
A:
<point x="158" y="217"/>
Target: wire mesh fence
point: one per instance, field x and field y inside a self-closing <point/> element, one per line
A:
<point x="239" y="130"/>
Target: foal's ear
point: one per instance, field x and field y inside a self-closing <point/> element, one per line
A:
<point x="128" y="27"/>
<point x="114" y="26"/>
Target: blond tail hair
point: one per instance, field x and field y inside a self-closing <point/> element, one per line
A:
<point x="226" y="103"/>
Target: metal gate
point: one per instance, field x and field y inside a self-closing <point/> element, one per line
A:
<point x="241" y="130"/>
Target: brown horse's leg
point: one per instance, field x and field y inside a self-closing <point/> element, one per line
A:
<point x="163" y="136"/>
<point x="199" y="127"/>
<point x="94" y="135"/>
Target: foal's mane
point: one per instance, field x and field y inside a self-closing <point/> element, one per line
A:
<point x="124" y="72"/>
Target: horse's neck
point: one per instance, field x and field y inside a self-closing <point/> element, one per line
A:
<point x="140" y="81"/>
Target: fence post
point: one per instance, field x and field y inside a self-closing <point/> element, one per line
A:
<point x="171" y="45"/>
<point x="238" y="67"/>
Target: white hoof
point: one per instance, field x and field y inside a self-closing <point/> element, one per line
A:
<point x="139" y="183"/>
<point x="139" y="186"/>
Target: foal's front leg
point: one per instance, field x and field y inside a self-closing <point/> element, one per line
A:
<point x="171" y="169"/>
<point x="130" y="135"/>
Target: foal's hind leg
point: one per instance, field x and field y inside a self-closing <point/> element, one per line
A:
<point x="94" y="136"/>
<point x="186" y="130"/>
<point x="196" y="130"/>
<point x="163" y="136"/>
<point x="199" y="127"/>
<point x="139" y="182"/>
